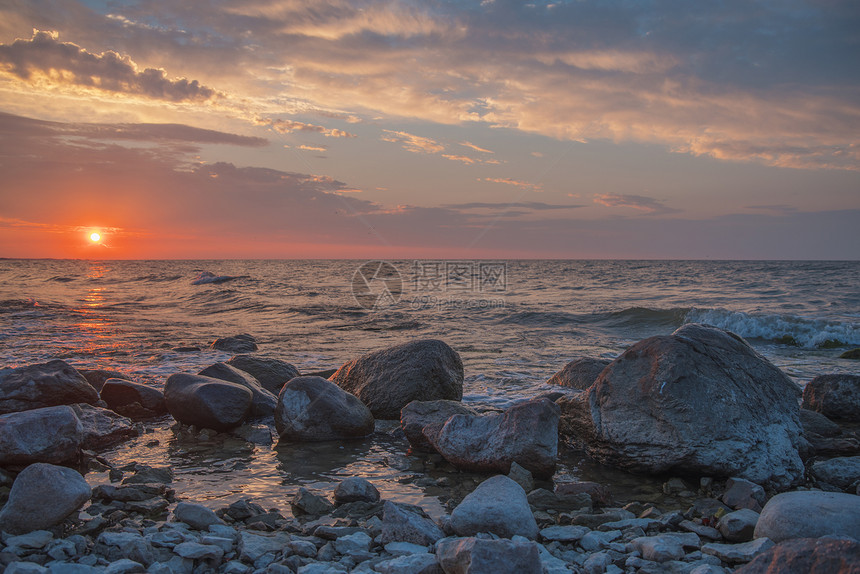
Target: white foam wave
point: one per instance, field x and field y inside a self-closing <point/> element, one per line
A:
<point x="807" y="332"/>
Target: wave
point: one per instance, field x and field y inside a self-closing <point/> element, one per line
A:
<point x="205" y="277"/>
<point x="784" y="328"/>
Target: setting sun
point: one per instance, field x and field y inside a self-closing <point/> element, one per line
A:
<point x="95" y="237"/>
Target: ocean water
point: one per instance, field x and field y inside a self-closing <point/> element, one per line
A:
<point x="514" y="323"/>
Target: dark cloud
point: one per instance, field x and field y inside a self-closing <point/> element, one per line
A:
<point x="528" y="205"/>
<point x="641" y="203"/>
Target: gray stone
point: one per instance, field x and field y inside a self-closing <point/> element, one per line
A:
<point x="599" y="494"/>
<point x="50" y="434"/>
<point x="314" y="409"/>
<point x="253" y="546"/>
<point x="665" y="547"/>
<point x="498" y="506"/>
<point x="35" y="539"/>
<point x="271" y="373"/>
<point x="422" y="563"/>
<point x="102" y="428"/>
<point x="564" y="534"/>
<point x="145" y="474"/>
<point x="418" y="415"/>
<point x="595" y="540"/>
<point x="699" y="401"/>
<point x="526" y="433"/>
<point x="97" y="377"/>
<point x="809" y="514"/>
<point x="738" y="526"/>
<point x="207" y="402"/>
<point x="816" y="423"/>
<point x="117" y="545"/>
<point x="597" y="563"/>
<point x="481" y="556"/>
<point x="580" y="373"/>
<point x="738" y="553"/>
<point x="389" y="379"/>
<point x="353" y="544"/>
<point x="243" y="343"/>
<point x="405" y="523"/>
<point x="542" y="499"/>
<point x="42" y="496"/>
<point x="741" y="493"/>
<point x="700" y="529"/>
<point x="125" y="566"/>
<point x="255" y="433"/>
<point x="522" y="477"/>
<point x="307" y="502"/>
<point x="834" y="396"/>
<point x="24" y="568"/>
<point x="263" y="402"/>
<point x="196" y="551"/>
<point x="134" y="400"/>
<point x="841" y="472"/>
<point x="196" y="515"/>
<point x="44" y="385"/>
<point x="807" y="555"/>
<point x="355" y="489"/>
<point x="404" y="548"/>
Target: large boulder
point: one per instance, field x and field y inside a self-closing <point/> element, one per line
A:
<point x="579" y="374"/>
<point x="807" y="555"/>
<point x="407" y="523"/>
<point x="389" y="379"/>
<point x="207" y="402"/>
<point x="432" y="415"/>
<point x="243" y="343"/>
<point x="698" y="401"/>
<point x="264" y="402"/>
<point x="481" y="556"/>
<point x="834" y="396"/>
<point x="842" y="472"/>
<point x="526" y="434"/>
<point x="44" y="385"/>
<point x="50" y="434"/>
<point x="498" y="506"/>
<point x="133" y="400"/>
<point x="98" y="377"/>
<point x="272" y="374"/>
<point x="314" y="409"/>
<point x="809" y="514"/>
<point x="42" y="496"/>
<point x="102" y="428"/>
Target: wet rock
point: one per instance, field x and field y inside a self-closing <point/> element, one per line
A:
<point x="42" y="496"/>
<point x="133" y="400"/>
<point x="102" y="428"/>
<point x="44" y="385"/>
<point x="851" y="354"/>
<point x="263" y="402"/>
<point x="834" y="396"/>
<point x="255" y="433"/>
<point x="526" y="434"/>
<point x="49" y="434"/>
<point x="807" y="555"/>
<point x="306" y="502"/>
<point x="314" y="409"/>
<point x="738" y="526"/>
<point x="389" y="379"/>
<point x="206" y="402"/>
<point x="144" y="474"/>
<point x="542" y="499"/>
<point x="498" y="506"/>
<point x="599" y="494"/>
<point x="480" y="556"/>
<point x="243" y="343"/>
<point x="738" y="553"/>
<point x="418" y="415"/>
<point x="355" y="489"/>
<point x="406" y="523"/>
<point x="809" y="514"/>
<point x="700" y="400"/>
<point x="271" y="373"/>
<point x="579" y="374"/>
<point x="741" y="493"/>
<point x="841" y="472"/>
<point x="196" y="515"/>
<point x="97" y="377"/>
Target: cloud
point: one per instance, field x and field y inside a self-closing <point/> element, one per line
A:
<point x="474" y="147"/>
<point x="529" y="205"/>
<point x="312" y="148"/>
<point x="290" y="126"/>
<point x="43" y="58"/>
<point x="642" y="203"/>
<point x="411" y="142"/>
<point x="513" y="182"/>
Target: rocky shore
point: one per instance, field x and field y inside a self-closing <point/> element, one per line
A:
<point x="752" y="482"/>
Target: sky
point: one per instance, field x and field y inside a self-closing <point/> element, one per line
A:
<point x="430" y="129"/>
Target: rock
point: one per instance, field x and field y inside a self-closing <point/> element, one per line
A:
<point x="42" y="496"/>
<point x="44" y="385"/>
<point x="243" y="343"/>
<point x="851" y="354"/>
<point x="133" y="400"/>
<point x="196" y="515"/>
<point x="599" y="494"/>
<point x="49" y="434"/>
<point x="841" y="472"/>
<point x="255" y="433"/>
<point x="598" y="563"/>
<point x="422" y="563"/>
<point x="97" y="377"/>
<point x="418" y="415"/>
<point x="738" y="526"/>
<point x="263" y="402"/>
<point x="807" y="555"/>
<point x="526" y="433"/>
<point x="665" y="547"/>
<point x="542" y="499"/>
<point x="353" y="544"/>
<point x="741" y="493"/>
<point x="738" y="553"/>
<point x="314" y="409"/>
<point x="816" y="423"/>
<point x="117" y="545"/>
<point x="406" y="523"/>
<point x="123" y="566"/>
<point x="197" y="551"/>
<point x="389" y="379"/>
<point x="809" y="514"/>
<point x="595" y="540"/>
<point x="522" y="477"/>
<point x="564" y="534"/>
<point x="306" y="502"/>
<point x="271" y="373"/>
<point x="102" y="428"/>
<point x="699" y="401"/>
<point x="253" y="547"/>
<point x="834" y="396"/>
<point x="579" y="374"/>
<point x="207" y="402"/>
<point x="700" y="529"/>
<point x="355" y="489"/>
<point x="481" y="556"/>
<point x="498" y="506"/>
<point x="145" y="474"/>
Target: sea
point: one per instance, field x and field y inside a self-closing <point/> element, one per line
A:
<point x="514" y="323"/>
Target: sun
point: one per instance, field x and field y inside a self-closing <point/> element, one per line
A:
<point x="94" y="237"/>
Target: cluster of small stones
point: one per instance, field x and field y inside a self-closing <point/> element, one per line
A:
<point x="136" y="525"/>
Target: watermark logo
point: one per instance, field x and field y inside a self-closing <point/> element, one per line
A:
<point x="377" y="284"/>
